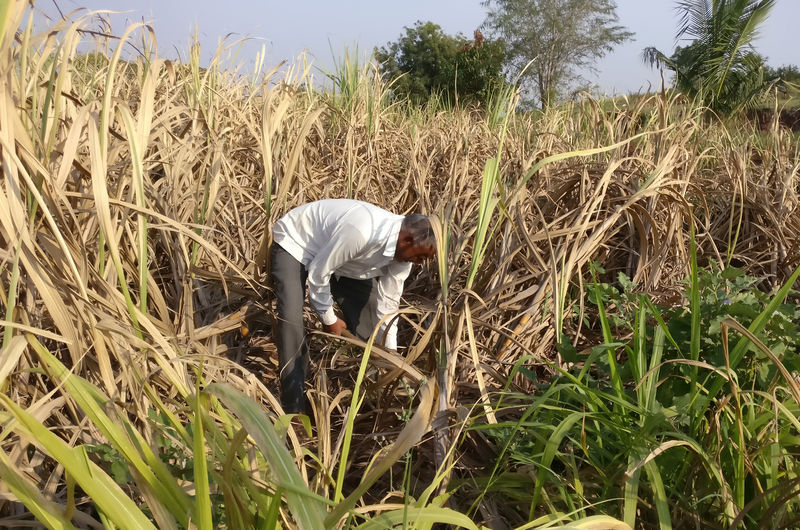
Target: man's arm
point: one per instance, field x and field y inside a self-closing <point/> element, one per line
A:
<point x="343" y="246"/>
<point x="390" y="288"/>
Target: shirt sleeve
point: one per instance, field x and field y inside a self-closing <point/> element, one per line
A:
<point x="390" y="288"/>
<point x="346" y="243"/>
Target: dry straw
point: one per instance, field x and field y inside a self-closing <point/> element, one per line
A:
<point x="135" y="205"/>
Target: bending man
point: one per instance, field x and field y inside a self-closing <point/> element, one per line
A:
<point x="347" y="251"/>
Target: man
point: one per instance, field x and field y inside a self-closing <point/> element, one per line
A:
<point x="350" y="252"/>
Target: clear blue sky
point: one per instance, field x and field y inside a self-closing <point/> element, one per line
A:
<point x="290" y="27"/>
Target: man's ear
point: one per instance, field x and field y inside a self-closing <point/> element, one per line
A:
<point x="405" y="239"/>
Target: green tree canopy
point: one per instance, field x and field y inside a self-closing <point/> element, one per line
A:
<point x="787" y="72"/>
<point x="560" y="37"/>
<point x="787" y="77"/>
<point x="719" y="65"/>
<point x="426" y="61"/>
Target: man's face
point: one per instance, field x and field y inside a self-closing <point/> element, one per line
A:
<point x="414" y="254"/>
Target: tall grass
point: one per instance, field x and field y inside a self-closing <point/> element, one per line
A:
<point x="641" y="448"/>
<point x="135" y="206"/>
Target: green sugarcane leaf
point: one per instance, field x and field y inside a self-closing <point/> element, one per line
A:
<point x="105" y="493"/>
<point x="308" y="511"/>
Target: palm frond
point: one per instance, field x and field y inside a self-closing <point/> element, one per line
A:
<point x="749" y="16"/>
<point x="656" y="59"/>
<point x="696" y="16"/>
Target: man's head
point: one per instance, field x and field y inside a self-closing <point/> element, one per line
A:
<point x="415" y="242"/>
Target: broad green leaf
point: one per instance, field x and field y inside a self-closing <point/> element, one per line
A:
<point x="659" y="495"/>
<point x="411" y="434"/>
<point x="551" y="448"/>
<point x="631" y="498"/>
<point x="104" y="492"/>
<point x="308" y="512"/>
<point x="202" y="497"/>
<point x="136" y="451"/>
<point x="595" y="522"/>
<point x="45" y="510"/>
<point x="416" y="516"/>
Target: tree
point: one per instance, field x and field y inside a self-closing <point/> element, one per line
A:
<point x="560" y="37"/>
<point x="788" y="72"/>
<point x="426" y="61"/>
<point x="719" y="65"/>
<point x="476" y="71"/>
<point x="787" y="77"/>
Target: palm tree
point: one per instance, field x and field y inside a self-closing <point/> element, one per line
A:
<point x="719" y="65"/>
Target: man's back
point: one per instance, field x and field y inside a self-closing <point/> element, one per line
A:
<point x="368" y="232"/>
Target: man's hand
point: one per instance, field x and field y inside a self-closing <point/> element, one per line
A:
<point x="337" y="328"/>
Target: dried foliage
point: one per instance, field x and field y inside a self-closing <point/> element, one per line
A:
<point x="136" y="200"/>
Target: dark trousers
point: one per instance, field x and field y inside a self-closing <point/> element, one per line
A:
<point x="356" y="298"/>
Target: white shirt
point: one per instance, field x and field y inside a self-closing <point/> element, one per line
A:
<point x="348" y="238"/>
